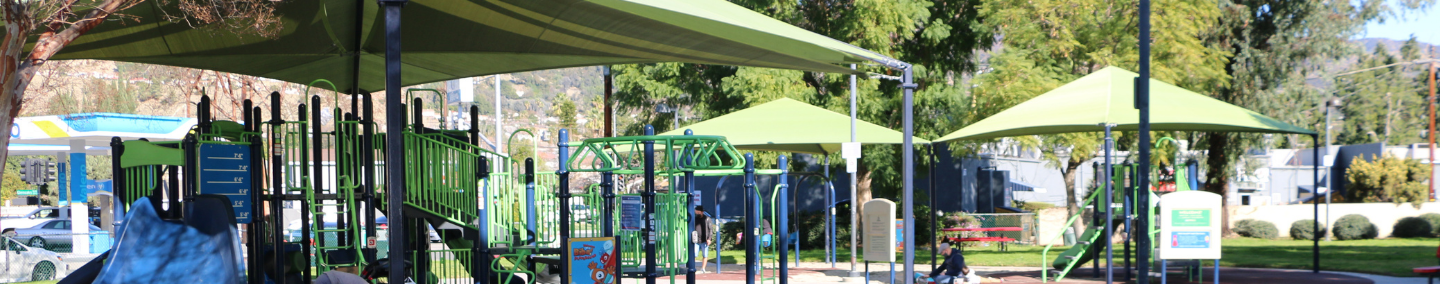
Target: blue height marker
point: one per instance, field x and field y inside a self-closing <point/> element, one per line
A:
<point x="225" y="170"/>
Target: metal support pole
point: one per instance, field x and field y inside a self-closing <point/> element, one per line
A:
<point x="277" y="188"/>
<point x="530" y="210"/>
<point x="1142" y="102"/>
<point x="908" y="174"/>
<point x="563" y="192"/>
<point x="482" y="241"/>
<point x="1430" y="99"/>
<point x="752" y="222"/>
<point x="306" y="239"/>
<point x="317" y="177"/>
<point x="690" y="210"/>
<point x="1109" y="210"/>
<point x="934" y="237"/>
<point x="784" y="224"/>
<point x="829" y="216"/>
<point x="367" y="144"/>
<point x="609" y="113"/>
<point x="854" y="203"/>
<point x="648" y="198"/>
<point x="394" y="142"/>
<point x="1315" y="166"/>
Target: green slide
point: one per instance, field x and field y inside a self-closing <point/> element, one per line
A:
<point x="1080" y="253"/>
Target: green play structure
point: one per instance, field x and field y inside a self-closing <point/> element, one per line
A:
<point x="1089" y="245"/>
<point x="653" y="236"/>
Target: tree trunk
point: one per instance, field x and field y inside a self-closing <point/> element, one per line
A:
<point x="862" y="194"/>
<point x="17" y="28"/>
<point x="17" y="70"/>
<point x="1072" y="203"/>
<point x="1217" y="178"/>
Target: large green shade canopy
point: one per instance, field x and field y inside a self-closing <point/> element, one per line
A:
<point x="1108" y="97"/>
<point x="343" y="40"/>
<point x="787" y="125"/>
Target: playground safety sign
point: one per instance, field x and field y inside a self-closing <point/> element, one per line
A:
<point x="1189" y="227"/>
<point x="632" y="213"/>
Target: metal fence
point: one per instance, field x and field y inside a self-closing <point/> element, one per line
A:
<point x="1027" y="222"/>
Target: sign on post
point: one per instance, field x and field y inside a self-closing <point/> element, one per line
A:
<point x="27" y="192"/>
<point x="632" y="212"/>
<point x="1190" y="225"/>
<point x="879" y="218"/>
<point x="592" y="261"/>
<point x="225" y="170"/>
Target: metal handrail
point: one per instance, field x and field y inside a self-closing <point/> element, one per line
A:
<point x="1045" y="253"/>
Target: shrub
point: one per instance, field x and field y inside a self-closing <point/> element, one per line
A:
<point x="1355" y="227"/>
<point x="1412" y="227"/>
<point x="1257" y="229"/>
<point x="1305" y="230"/>
<point x="1434" y="220"/>
<point x="1387" y="179"/>
<point x="727" y="235"/>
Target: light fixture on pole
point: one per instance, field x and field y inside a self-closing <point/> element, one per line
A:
<point x="674" y="114"/>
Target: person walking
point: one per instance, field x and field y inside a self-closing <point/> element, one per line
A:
<point x="702" y="238"/>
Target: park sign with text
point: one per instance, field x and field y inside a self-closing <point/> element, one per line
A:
<point x="879" y="220"/>
<point x="1190" y="225"/>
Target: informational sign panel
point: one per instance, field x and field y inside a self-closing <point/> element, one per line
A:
<point x="899" y="234"/>
<point x="879" y="219"/>
<point x="225" y="170"/>
<point x="632" y="213"/>
<point x="695" y="199"/>
<point x="1190" y="225"/>
<point x="592" y="261"/>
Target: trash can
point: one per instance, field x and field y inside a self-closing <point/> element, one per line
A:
<point x="1070" y="236"/>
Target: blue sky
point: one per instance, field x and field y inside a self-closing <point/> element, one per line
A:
<point x="1425" y="25"/>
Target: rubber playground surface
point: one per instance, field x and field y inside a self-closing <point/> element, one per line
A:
<point x="879" y="273"/>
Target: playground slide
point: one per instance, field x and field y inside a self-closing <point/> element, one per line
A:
<point x="152" y="250"/>
<point x="1080" y="253"/>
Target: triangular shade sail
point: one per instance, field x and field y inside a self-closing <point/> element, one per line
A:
<point x="1108" y="97"/>
<point x="343" y="40"/>
<point x="787" y="125"/>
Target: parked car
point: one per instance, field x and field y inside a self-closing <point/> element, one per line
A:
<point x="21" y="263"/>
<point x="580" y="212"/>
<point x="50" y="235"/>
<point x="42" y="214"/>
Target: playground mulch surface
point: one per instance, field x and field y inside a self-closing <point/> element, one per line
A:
<point x="1227" y="275"/>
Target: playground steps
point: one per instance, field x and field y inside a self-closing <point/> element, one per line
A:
<point x="1080" y="253"/>
<point x="345" y="232"/>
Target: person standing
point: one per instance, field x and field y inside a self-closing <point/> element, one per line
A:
<point x="702" y="238"/>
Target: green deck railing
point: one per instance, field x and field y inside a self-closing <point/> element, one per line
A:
<point x="442" y="177"/>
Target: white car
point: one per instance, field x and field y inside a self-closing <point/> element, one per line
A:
<point x="21" y="263"/>
<point x="35" y="217"/>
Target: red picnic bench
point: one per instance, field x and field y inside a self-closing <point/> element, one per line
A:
<point x="1430" y="272"/>
<point x="1001" y="240"/>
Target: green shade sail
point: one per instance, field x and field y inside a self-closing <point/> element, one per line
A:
<point x="343" y="40"/>
<point x="1108" y="97"/>
<point x="787" y="125"/>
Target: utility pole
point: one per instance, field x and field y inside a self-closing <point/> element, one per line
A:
<point x="1431" y="134"/>
<point x="1431" y="101"/>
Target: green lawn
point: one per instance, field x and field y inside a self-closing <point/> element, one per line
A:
<point x="1386" y="257"/>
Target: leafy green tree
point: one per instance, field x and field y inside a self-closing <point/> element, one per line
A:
<point x="938" y="37"/>
<point x="10" y="186"/>
<point x="1379" y="106"/>
<point x="1271" y="45"/>
<point x="1049" y="43"/>
<point x="564" y="110"/>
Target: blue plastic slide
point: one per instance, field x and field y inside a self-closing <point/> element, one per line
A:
<point x="204" y="249"/>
